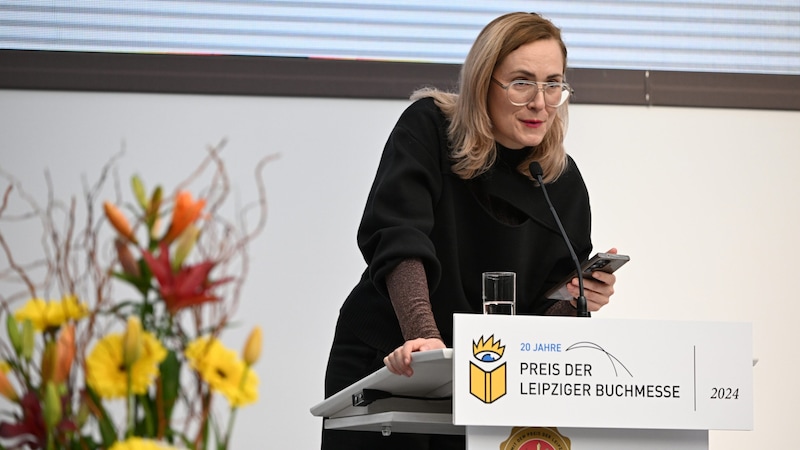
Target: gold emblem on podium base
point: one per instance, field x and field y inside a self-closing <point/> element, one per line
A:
<point x="536" y="438"/>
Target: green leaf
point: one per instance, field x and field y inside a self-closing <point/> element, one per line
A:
<point x="170" y="370"/>
<point x="85" y="443"/>
<point x="139" y="191"/>
<point x="52" y="407"/>
<point x="187" y="443"/>
<point x="147" y="427"/>
<point x="120" y="306"/>
<point x="141" y="282"/>
<point x="107" y="430"/>
<point x="14" y="335"/>
<point x="28" y="339"/>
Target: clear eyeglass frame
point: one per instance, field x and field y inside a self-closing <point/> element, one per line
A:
<point x="522" y="92"/>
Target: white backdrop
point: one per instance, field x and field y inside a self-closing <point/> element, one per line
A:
<point x="704" y="201"/>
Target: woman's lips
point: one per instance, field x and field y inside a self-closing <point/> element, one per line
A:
<point x="533" y="123"/>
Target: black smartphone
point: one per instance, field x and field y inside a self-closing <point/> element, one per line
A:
<point x="605" y="262"/>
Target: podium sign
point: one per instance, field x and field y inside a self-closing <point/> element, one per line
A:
<point x="518" y="371"/>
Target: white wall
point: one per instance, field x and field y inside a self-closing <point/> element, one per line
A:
<point x="705" y="201"/>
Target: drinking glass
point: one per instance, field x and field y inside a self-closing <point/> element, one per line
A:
<point x="499" y="293"/>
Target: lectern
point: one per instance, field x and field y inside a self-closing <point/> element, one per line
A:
<point x="527" y="382"/>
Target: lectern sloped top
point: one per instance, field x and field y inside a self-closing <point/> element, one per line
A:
<point x="433" y="377"/>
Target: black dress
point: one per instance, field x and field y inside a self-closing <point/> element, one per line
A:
<point x="418" y="208"/>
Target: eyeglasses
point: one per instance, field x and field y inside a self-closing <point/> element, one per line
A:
<point x="522" y="92"/>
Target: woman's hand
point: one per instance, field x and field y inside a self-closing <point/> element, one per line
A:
<point x="598" y="291"/>
<point x="399" y="361"/>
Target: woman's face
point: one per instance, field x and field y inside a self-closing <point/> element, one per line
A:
<point x="516" y="127"/>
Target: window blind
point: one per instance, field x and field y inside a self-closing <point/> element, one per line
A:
<point x="697" y="36"/>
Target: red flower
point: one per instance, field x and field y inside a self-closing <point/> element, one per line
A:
<point x="190" y="286"/>
<point x="30" y="431"/>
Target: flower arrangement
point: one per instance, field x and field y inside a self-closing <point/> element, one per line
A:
<point x="90" y="368"/>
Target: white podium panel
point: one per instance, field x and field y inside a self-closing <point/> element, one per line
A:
<point x="599" y="373"/>
<point x="553" y="383"/>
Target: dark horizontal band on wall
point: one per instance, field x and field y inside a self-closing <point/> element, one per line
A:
<point x="250" y="75"/>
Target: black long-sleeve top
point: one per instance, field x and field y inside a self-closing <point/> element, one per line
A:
<point x="418" y="208"/>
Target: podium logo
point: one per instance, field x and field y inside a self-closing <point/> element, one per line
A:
<point x="530" y="438"/>
<point x="487" y="378"/>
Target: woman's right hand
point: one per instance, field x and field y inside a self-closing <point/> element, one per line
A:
<point x="399" y="361"/>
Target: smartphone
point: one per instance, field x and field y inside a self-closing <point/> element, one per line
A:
<point x="605" y="262"/>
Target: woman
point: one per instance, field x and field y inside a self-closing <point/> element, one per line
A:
<point x="453" y="197"/>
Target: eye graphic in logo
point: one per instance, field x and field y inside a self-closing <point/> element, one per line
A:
<point x="485" y="353"/>
<point x="487" y="377"/>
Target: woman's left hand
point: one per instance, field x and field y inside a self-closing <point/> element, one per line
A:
<point x="598" y="290"/>
<point x="399" y="361"/>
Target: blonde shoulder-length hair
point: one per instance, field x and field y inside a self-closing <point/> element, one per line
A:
<point x="470" y="131"/>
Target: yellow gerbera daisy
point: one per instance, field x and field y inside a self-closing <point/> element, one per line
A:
<point x="105" y="367"/>
<point x="51" y="314"/>
<point x="136" y="443"/>
<point x="223" y="370"/>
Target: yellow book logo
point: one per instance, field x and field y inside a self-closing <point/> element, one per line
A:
<point x="487" y="378"/>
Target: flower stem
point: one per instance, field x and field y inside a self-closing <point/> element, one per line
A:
<point x="232" y="417"/>
<point x="131" y="408"/>
<point x="229" y="430"/>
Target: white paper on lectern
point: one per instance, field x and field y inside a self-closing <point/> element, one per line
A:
<point x="706" y="367"/>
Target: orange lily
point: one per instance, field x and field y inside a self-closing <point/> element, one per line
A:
<point x="119" y="221"/>
<point x="126" y="259"/>
<point x="185" y="213"/>
<point x="6" y="389"/>
<point x="65" y="353"/>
